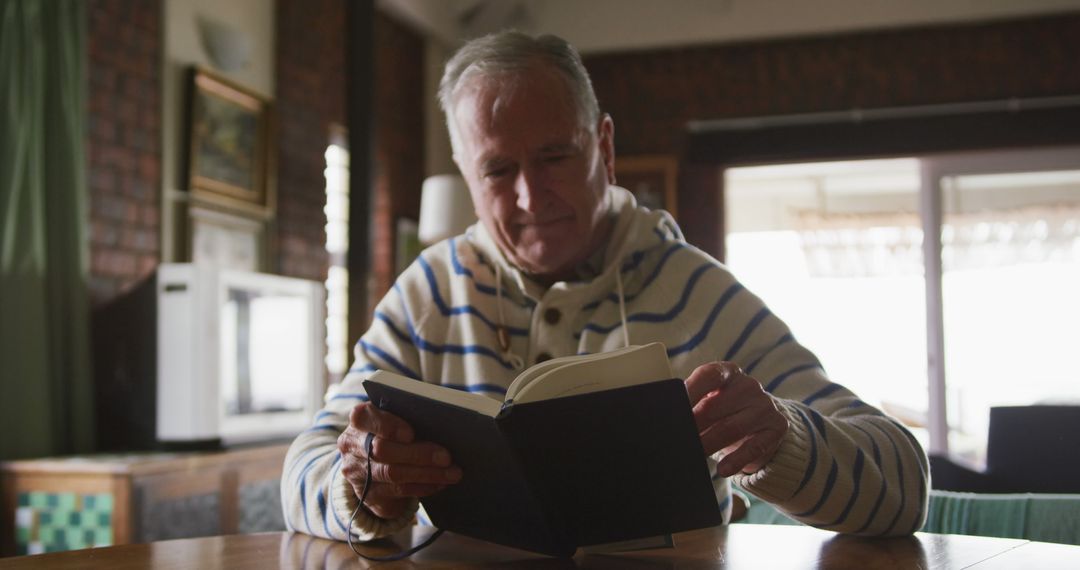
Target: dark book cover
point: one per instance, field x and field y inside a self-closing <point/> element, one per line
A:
<point x="493" y="501"/>
<point x="551" y="475"/>
<point x="618" y="464"/>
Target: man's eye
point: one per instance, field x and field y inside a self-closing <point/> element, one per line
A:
<point x="497" y="173"/>
<point x="556" y="158"/>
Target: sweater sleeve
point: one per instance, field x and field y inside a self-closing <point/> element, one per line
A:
<point x="843" y="465"/>
<point x="316" y="498"/>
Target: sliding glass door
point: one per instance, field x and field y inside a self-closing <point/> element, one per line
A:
<point x="985" y="311"/>
<point x="835" y="250"/>
<point x="1009" y="287"/>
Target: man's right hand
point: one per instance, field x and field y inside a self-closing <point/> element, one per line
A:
<point x="400" y="467"/>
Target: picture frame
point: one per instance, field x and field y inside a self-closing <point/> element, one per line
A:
<point x="227" y="241"/>
<point x="228" y="144"/>
<point x="652" y="179"/>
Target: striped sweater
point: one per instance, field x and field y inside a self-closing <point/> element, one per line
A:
<point x="842" y="466"/>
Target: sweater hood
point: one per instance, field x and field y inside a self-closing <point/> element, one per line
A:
<point x="635" y="230"/>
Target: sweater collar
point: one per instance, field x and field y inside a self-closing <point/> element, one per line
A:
<point x="633" y="230"/>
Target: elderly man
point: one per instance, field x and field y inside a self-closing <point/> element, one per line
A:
<point x="564" y="262"/>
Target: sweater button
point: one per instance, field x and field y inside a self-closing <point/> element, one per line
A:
<point x="543" y="356"/>
<point x="552" y="316"/>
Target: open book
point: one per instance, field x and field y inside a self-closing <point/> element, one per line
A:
<point x="586" y="450"/>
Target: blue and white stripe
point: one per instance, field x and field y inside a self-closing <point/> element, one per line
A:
<point x="844" y="466"/>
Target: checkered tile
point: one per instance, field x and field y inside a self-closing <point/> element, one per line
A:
<point x="52" y="522"/>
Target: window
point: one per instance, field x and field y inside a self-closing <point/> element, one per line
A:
<point x="337" y="244"/>
<point x="837" y="251"/>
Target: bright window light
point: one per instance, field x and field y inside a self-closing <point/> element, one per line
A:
<point x="337" y="278"/>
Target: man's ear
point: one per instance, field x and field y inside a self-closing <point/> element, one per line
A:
<point x="605" y="131"/>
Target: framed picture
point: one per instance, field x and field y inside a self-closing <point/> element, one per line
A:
<point x="229" y="149"/>
<point x="226" y="241"/>
<point x="653" y="180"/>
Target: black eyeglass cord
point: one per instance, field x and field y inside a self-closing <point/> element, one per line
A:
<point x="368" y="442"/>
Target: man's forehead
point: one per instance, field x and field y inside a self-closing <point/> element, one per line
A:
<point x="492" y="114"/>
<point x="492" y="93"/>
<point x="503" y="144"/>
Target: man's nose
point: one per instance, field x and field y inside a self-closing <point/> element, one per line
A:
<point x="530" y="192"/>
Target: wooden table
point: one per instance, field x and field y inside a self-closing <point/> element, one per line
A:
<point x="732" y="548"/>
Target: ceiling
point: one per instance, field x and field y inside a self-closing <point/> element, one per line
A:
<point x="618" y="25"/>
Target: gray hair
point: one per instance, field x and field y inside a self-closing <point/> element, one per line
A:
<point x="513" y="52"/>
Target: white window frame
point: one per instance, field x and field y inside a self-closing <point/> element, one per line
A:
<point x="933" y="170"/>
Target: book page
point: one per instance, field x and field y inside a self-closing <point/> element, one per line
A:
<point x="529" y="374"/>
<point x="539" y="369"/>
<point x="475" y="402"/>
<point x="574" y="375"/>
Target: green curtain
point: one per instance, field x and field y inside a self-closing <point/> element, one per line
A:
<point x="45" y="377"/>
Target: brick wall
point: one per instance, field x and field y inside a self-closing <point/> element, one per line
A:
<point x="123" y="166"/>
<point x="124" y="40"/>
<point x="123" y="142"/>
<point x="653" y="94"/>
<point x="310" y="98"/>
<point x="399" y="139"/>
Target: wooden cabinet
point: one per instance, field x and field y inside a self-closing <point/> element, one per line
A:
<point x="78" y="502"/>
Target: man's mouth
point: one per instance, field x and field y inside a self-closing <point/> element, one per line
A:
<point x="548" y="221"/>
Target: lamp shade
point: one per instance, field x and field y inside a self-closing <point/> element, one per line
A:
<point x="229" y="48"/>
<point x="446" y="208"/>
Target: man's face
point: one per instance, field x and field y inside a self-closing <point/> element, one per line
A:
<point x="538" y="178"/>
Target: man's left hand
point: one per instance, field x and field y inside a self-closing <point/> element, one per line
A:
<point x="735" y="415"/>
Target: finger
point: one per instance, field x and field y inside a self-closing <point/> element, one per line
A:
<point x="755" y="450"/>
<point x="354" y="471"/>
<point x="737" y="394"/>
<point x="422" y="453"/>
<point x="719" y="434"/>
<point x="368" y="418"/>
<point x="403" y="474"/>
<point x="709" y="378"/>
<point x="384" y="499"/>
<point x="351" y="443"/>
